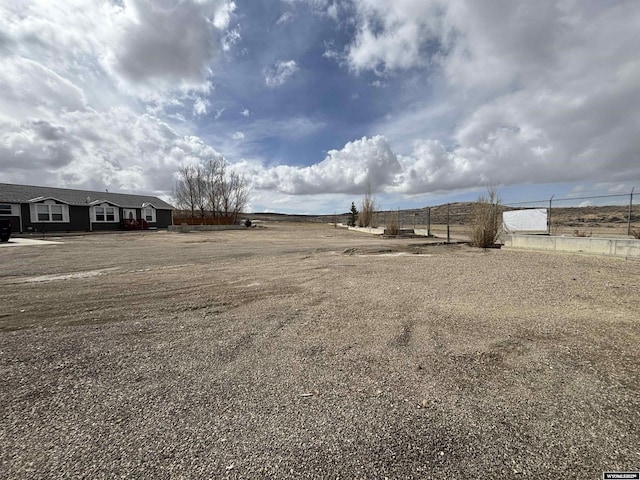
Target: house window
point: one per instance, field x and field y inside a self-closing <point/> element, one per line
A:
<point x="5" y="209"/>
<point x="51" y="212"/>
<point x="149" y="214"/>
<point x="105" y="214"/>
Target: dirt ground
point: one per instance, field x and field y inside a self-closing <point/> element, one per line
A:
<point x="304" y="351"/>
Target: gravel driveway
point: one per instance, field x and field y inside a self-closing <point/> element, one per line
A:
<point x="304" y="351"/>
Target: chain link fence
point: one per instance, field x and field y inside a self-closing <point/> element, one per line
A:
<point x="584" y="215"/>
<point x="590" y="215"/>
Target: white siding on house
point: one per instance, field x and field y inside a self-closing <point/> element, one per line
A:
<point x="48" y="211"/>
<point x="149" y="214"/>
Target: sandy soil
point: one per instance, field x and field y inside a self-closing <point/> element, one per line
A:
<point x="304" y="351"/>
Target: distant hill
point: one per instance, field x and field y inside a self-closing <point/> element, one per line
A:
<point x="460" y="214"/>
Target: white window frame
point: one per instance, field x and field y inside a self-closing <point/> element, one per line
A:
<point x="127" y="211"/>
<point x="48" y="205"/>
<point x="149" y="208"/>
<point x="103" y="209"/>
<point x="14" y="210"/>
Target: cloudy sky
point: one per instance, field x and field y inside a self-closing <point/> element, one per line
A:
<point x="318" y="101"/>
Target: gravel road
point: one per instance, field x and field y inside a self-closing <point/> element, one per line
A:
<point x="304" y="351"/>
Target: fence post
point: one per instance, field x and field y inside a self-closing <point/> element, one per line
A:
<point x="629" y="216"/>
<point x="549" y="216"/>
<point x="448" y="231"/>
<point x="428" y="221"/>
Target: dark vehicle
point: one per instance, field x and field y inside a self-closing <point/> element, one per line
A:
<point x="5" y="230"/>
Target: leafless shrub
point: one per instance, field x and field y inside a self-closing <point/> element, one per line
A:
<point x="635" y="233"/>
<point x="485" y="219"/>
<point x="392" y="224"/>
<point x="367" y="216"/>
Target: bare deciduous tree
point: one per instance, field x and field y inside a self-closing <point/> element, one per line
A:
<point x="211" y="187"/>
<point x="224" y="190"/>
<point x="212" y="178"/>
<point x="201" y="190"/>
<point x="367" y="216"/>
<point x="186" y="189"/>
<point x="240" y="193"/>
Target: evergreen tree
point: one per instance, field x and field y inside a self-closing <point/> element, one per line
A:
<point x="353" y="217"/>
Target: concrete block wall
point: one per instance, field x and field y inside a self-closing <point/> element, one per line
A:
<point x="372" y="230"/>
<point x="619" y="247"/>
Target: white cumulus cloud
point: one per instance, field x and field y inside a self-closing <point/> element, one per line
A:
<point x="279" y="73"/>
<point x="361" y="165"/>
<point x="285" y="18"/>
<point x="73" y="74"/>
<point x="201" y="106"/>
<point x="117" y="149"/>
<point x="522" y="92"/>
<point x="168" y="41"/>
<point x="393" y="35"/>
